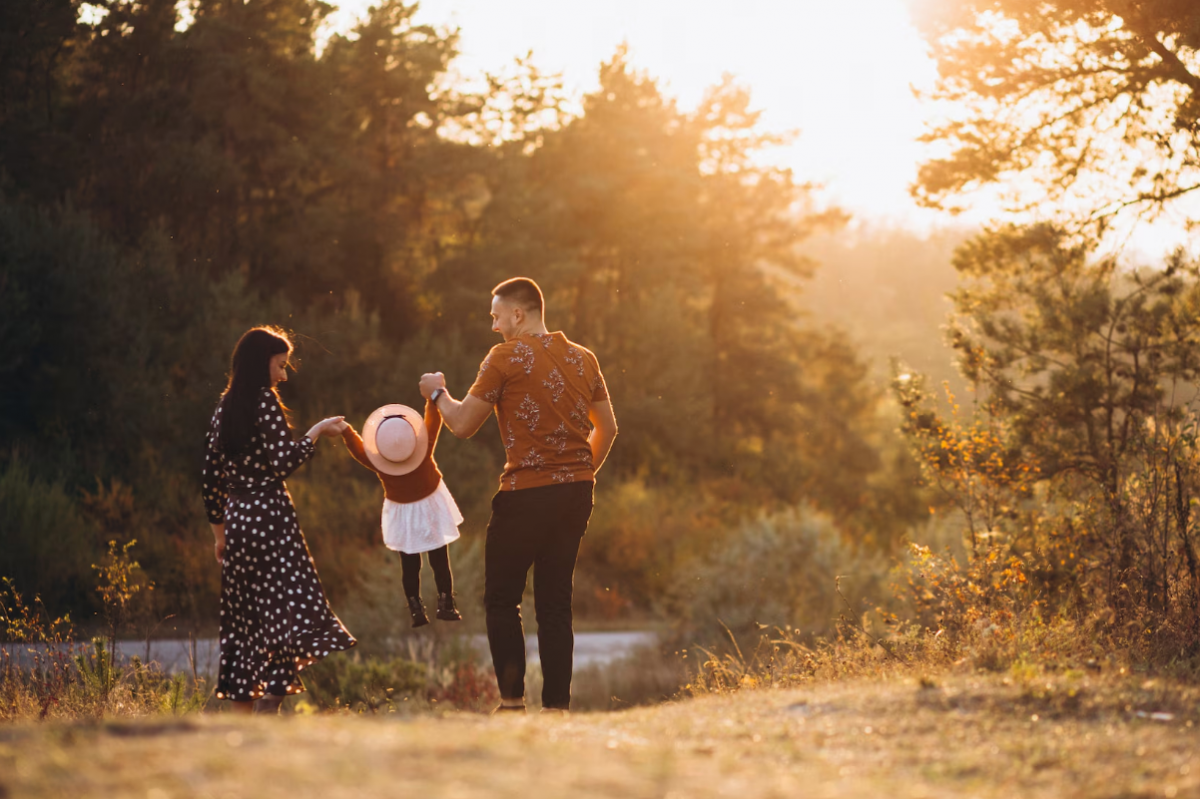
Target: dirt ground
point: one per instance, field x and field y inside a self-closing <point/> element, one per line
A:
<point x="982" y="736"/>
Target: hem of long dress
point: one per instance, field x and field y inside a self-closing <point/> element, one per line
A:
<point x="299" y="685"/>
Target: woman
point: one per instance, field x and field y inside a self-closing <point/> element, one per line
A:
<point x="274" y="616"/>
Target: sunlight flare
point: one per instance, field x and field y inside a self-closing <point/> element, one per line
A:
<point x="842" y="73"/>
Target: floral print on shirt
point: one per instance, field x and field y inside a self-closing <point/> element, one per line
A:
<point x="523" y="356"/>
<point x="543" y="388"/>
<point x="575" y="358"/>
<point x="556" y="385"/>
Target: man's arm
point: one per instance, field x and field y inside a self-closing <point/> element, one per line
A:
<point x="463" y="418"/>
<point x="604" y="431"/>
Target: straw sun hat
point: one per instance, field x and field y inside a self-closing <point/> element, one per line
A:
<point x="395" y="439"/>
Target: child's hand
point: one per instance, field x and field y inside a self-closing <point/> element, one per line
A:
<point x="341" y="427"/>
<point x="326" y="427"/>
<point x="431" y="382"/>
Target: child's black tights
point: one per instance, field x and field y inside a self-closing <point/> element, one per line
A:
<point x="439" y="561"/>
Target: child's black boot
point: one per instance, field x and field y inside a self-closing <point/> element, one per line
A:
<point x="417" y="608"/>
<point x="446" y="610"/>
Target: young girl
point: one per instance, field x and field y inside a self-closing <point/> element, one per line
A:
<point x="419" y="515"/>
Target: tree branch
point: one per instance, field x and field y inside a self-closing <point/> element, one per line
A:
<point x="1147" y="197"/>
<point x="1174" y="66"/>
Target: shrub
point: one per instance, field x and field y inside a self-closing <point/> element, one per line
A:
<point x="350" y="680"/>
<point x="44" y="675"/>
<point x="775" y="571"/>
<point x="47" y="541"/>
<point x="431" y="674"/>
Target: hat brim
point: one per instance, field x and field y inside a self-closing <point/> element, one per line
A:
<point x="370" y="445"/>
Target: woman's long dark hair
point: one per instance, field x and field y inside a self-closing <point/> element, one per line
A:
<point x="249" y="374"/>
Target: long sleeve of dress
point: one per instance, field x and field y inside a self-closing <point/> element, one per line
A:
<point x="284" y="454"/>
<point x="216" y="490"/>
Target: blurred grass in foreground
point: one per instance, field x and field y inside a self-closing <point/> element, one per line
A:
<point x="994" y="735"/>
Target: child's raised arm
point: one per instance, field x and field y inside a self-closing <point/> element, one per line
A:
<point x="433" y="422"/>
<point x="355" y="445"/>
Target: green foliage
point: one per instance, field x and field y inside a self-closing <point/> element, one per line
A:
<point x="178" y="698"/>
<point x="103" y="688"/>
<point x="1075" y="472"/>
<point x="47" y="541"/>
<point x="972" y="461"/>
<point x="776" y="571"/>
<point x="639" y="534"/>
<point x="29" y="623"/>
<point x="1078" y="463"/>
<point x="430" y="677"/>
<point x="165" y="189"/>
<point x="667" y="251"/>
<point x="96" y="669"/>
<point x="986" y="594"/>
<point x="44" y="674"/>
<point x="120" y="582"/>
<point x="349" y="680"/>
<point x="1076" y="351"/>
<point x="49" y="673"/>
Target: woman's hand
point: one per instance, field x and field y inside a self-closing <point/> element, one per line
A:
<point x="332" y="426"/>
<point x="219" y="542"/>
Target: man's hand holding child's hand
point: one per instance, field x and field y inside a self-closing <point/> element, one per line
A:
<point x="431" y="382"/>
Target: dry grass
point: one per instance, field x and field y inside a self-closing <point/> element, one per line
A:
<point x="987" y="736"/>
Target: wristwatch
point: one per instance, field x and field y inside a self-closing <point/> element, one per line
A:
<point x="437" y="393"/>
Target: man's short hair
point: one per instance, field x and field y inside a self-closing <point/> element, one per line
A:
<point x="522" y="292"/>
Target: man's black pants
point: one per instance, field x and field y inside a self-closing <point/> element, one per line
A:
<point x="539" y="527"/>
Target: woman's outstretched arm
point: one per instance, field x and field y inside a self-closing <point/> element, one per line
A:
<point x="284" y="454"/>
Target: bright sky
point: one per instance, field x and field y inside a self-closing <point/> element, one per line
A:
<point x="839" y="71"/>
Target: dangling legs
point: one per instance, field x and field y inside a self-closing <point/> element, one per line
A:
<point x="410" y="574"/>
<point x="439" y="561"/>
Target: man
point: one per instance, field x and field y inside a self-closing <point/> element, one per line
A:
<point x="557" y="427"/>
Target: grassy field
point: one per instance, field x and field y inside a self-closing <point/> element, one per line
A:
<point x="987" y="736"/>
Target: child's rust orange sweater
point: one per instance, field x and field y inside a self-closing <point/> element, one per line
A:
<point x="417" y="484"/>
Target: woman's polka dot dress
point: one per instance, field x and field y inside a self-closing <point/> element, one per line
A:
<point x="275" y="619"/>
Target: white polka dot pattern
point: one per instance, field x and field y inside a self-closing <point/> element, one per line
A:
<point x="269" y="458"/>
<point x="275" y="619"/>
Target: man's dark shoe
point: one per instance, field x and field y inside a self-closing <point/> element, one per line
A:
<point x="504" y="710"/>
<point x="417" y="608"/>
<point x="446" y="610"/>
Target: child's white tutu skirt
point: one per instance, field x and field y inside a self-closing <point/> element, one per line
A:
<point x="429" y="523"/>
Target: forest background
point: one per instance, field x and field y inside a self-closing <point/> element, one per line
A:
<point x="162" y="188"/>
